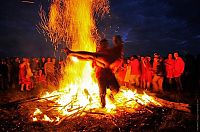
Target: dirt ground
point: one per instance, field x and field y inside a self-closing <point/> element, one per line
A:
<point x="16" y="118"/>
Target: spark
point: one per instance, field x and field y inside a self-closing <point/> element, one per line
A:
<point x="26" y="1"/>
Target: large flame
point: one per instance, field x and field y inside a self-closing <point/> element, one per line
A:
<point x="73" y="22"/>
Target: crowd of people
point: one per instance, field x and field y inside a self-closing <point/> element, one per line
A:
<point x="27" y="73"/>
<point x="154" y="73"/>
<point x="145" y="72"/>
<point x="160" y="74"/>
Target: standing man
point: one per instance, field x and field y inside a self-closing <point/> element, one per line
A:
<point x="49" y="71"/>
<point x="179" y="67"/>
<point x="135" y="71"/>
<point x="159" y="71"/>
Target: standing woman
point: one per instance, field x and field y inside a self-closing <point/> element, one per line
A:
<point x="149" y="72"/>
<point x="23" y="78"/>
<point x="22" y="74"/>
<point x="169" y="68"/>
<point x="143" y="72"/>
<point x="29" y="74"/>
<point x="128" y="74"/>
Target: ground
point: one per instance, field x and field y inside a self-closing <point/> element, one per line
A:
<point x="16" y="117"/>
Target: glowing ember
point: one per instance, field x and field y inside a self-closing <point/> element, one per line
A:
<point x="37" y="112"/>
<point x="35" y="119"/>
<point x="46" y="118"/>
<point x="72" y="22"/>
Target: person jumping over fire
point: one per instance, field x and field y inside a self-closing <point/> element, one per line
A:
<point x="103" y="62"/>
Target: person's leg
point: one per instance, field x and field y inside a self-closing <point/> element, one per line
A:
<point x="160" y="84"/>
<point x="102" y="91"/>
<point x="114" y="85"/>
<point x="22" y="87"/>
<point x="178" y="83"/>
<point x="144" y="84"/>
<point x="137" y="80"/>
<point x="131" y="79"/>
<point x="170" y="81"/>
<point x="155" y="83"/>
<point x="148" y="85"/>
<point x="27" y="87"/>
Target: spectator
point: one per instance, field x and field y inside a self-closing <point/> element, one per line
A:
<point x="35" y="65"/>
<point x="128" y="73"/>
<point x="149" y="72"/>
<point x="15" y="72"/>
<point x="41" y="64"/>
<point x="49" y="71"/>
<point x="135" y="71"/>
<point x="41" y="80"/>
<point x="158" y="77"/>
<point x="25" y="74"/>
<point x="169" y="68"/>
<point x="4" y="75"/>
<point x="178" y="70"/>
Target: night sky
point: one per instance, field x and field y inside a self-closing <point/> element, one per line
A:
<point x="147" y="26"/>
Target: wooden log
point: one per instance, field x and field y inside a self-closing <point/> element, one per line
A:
<point x="15" y="104"/>
<point x="173" y="105"/>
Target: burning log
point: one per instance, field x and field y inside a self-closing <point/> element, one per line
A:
<point x="164" y="103"/>
<point x="79" y="111"/>
<point x="15" y="104"/>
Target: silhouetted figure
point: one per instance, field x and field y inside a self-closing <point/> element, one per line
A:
<point x="4" y="75"/>
<point x="190" y="79"/>
<point x="15" y="72"/>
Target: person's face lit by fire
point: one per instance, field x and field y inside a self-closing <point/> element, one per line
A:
<point x="53" y="60"/>
<point x="156" y="58"/>
<point x="132" y="58"/>
<point x="43" y="59"/>
<point x="27" y="60"/>
<point x="117" y="40"/>
<point x="175" y="55"/>
<point x="23" y="59"/>
<point x="48" y="59"/>
<point x="125" y="65"/>
<point x="36" y="60"/>
<point x="142" y="58"/>
<point x="128" y="61"/>
<point x="40" y="72"/>
<point x="148" y="58"/>
<point x="169" y="56"/>
<point x="17" y="60"/>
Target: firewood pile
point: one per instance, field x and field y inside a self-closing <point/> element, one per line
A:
<point x="169" y="116"/>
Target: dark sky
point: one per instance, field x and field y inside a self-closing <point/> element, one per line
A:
<point x="147" y="26"/>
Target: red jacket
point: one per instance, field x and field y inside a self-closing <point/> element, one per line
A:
<point x="179" y="67"/>
<point x="135" y="67"/>
<point x="169" y="67"/>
